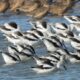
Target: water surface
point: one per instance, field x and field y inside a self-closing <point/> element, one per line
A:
<point x="22" y="71"/>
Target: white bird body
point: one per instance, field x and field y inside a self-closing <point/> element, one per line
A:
<point x="73" y="59"/>
<point x="9" y="59"/>
<point x="43" y="70"/>
<point x="75" y="42"/>
<point x="24" y="54"/>
<point x="60" y="28"/>
<point x="72" y="19"/>
<point x="13" y="40"/>
<point x="9" y="28"/>
<point x="44" y="27"/>
<point x="52" y="43"/>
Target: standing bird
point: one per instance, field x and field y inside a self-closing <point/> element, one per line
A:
<point x="75" y="42"/>
<point x="72" y="19"/>
<point x="25" y="52"/>
<point x="44" y="27"/>
<point x="14" y="38"/>
<point x="9" y="28"/>
<point x="74" y="57"/>
<point x="52" y="43"/>
<point x="10" y="58"/>
<point x="45" y="64"/>
<point x="60" y="28"/>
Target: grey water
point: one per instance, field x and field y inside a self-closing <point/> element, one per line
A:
<point x="23" y="71"/>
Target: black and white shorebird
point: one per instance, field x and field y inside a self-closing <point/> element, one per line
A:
<point x="28" y="40"/>
<point x="52" y="43"/>
<point x="45" y="68"/>
<point x="14" y="38"/>
<point x="7" y="28"/>
<point x="73" y="19"/>
<point x="60" y="55"/>
<point x="75" y="28"/>
<point x="65" y="36"/>
<point x="60" y="27"/>
<point x="66" y="39"/>
<point x="25" y="52"/>
<point x="43" y="26"/>
<point x="73" y="57"/>
<point x="19" y="38"/>
<point x="35" y="33"/>
<point x="58" y="60"/>
<point x="10" y="58"/>
<point x="46" y="64"/>
<point x="75" y="42"/>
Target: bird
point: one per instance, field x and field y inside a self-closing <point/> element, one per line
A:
<point x="21" y="39"/>
<point x="25" y="54"/>
<point x="66" y="36"/>
<point x="43" y="69"/>
<point x="7" y="28"/>
<point x="40" y="24"/>
<point x="10" y="59"/>
<point x="75" y="26"/>
<point x="35" y="33"/>
<point x="60" y="56"/>
<point x="60" y="27"/>
<point x="45" y="64"/>
<point x="31" y="41"/>
<point x="43" y="26"/>
<point x="75" y="42"/>
<point x="14" y="38"/>
<point x="74" y="23"/>
<point x="52" y="43"/>
<point x="74" y="57"/>
<point x="22" y="47"/>
<point x="72" y="19"/>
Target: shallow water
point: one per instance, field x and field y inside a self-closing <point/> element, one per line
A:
<point x="22" y="71"/>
